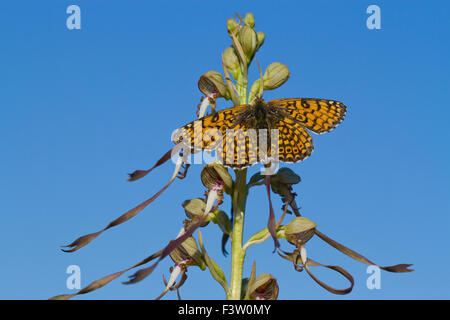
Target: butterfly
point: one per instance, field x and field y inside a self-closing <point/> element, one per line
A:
<point x="237" y="134"/>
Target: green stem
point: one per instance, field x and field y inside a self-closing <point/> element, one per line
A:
<point x="239" y="198"/>
<point x="237" y="252"/>
<point x="241" y="87"/>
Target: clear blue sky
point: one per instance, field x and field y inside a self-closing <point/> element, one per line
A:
<point x="82" y="108"/>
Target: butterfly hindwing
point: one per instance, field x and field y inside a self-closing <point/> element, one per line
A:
<point x="295" y="142"/>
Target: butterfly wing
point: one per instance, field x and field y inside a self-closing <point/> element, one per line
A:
<point x="295" y="142"/>
<point x="318" y="115"/>
<point x="198" y="133"/>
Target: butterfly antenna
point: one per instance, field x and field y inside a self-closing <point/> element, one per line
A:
<point x="261" y="80"/>
<point x="238" y="17"/>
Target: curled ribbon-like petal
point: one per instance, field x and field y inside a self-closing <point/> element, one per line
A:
<point x="84" y="240"/>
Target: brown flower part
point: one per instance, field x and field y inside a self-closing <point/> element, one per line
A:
<point x="138" y="174"/>
<point x="271" y="225"/>
<point x="300" y="230"/>
<point x="213" y="196"/>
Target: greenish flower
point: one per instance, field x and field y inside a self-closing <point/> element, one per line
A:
<point x="265" y="287"/>
<point x="212" y="85"/>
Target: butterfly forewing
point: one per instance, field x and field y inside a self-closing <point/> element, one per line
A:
<point x="202" y="134"/>
<point x="318" y="115"/>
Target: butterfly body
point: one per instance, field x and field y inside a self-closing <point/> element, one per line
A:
<point x="259" y="115"/>
<point x="235" y="132"/>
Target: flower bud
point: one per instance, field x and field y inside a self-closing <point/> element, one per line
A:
<point x="276" y="74"/>
<point x="212" y="83"/>
<point x="188" y="252"/>
<point x="231" y="61"/>
<point x="214" y="173"/>
<point x="260" y="36"/>
<point x="265" y="287"/>
<point x="195" y="208"/>
<point x="249" y="41"/>
<point x="250" y="19"/>
<point x="232" y="25"/>
<point x="254" y="90"/>
<point x="300" y="228"/>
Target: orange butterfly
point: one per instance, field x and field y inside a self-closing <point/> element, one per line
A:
<point x="234" y="133"/>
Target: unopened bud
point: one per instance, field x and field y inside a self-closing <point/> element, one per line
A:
<point x="231" y="61"/>
<point x="254" y="90"/>
<point x="232" y="25"/>
<point x="276" y="74"/>
<point x="250" y="19"/>
<point x="260" y="37"/>
<point x="249" y="41"/>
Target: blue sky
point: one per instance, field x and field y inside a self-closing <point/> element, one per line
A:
<point x="82" y="108"/>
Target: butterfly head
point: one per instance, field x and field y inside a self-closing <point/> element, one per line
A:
<point x="258" y="100"/>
